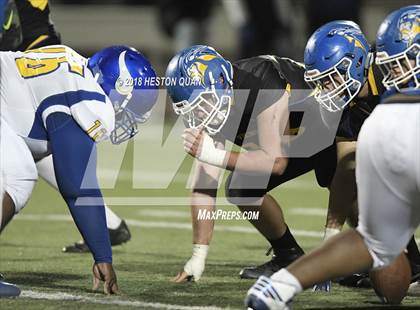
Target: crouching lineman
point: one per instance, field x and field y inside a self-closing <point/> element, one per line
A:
<point x="291" y="76"/>
<point x="54" y="101"/>
<point x="28" y="25"/>
<point x="387" y="172"/>
<point x="354" y="90"/>
<point x="246" y="103"/>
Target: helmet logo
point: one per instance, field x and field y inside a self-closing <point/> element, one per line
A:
<point x="124" y="83"/>
<point x="409" y="27"/>
<point x="357" y="43"/>
<point x="348" y="37"/>
<point x="197" y="70"/>
<point x="206" y="57"/>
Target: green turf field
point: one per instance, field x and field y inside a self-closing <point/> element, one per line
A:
<point x="161" y="242"/>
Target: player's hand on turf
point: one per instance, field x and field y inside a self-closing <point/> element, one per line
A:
<point x="193" y="141"/>
<point x="182" y="277"/>
<point x="323" y="287"/>
<point x="194" y="267"/>
<point x="193" y="270"/>
<point x="104" y="272"/>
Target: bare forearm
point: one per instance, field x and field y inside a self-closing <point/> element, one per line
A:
<point x="343" y="193"/>
<point x="255" y="162"/>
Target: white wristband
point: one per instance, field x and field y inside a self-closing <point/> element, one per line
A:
<point x="210" y="154"/>
<point x="330" y="232"/>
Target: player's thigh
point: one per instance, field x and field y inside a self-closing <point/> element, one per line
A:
<point x="388" y="212"/>
<point x="18" y="170"/>
<point x="325" y="163"/>
<point x="248" y="189"/>
<point x="346" y="155"/>
<point x="343" y="185"/>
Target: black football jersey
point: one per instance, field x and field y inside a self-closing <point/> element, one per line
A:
<point x="360" y="108"/>
<point x="30" y="27"/>
<point x="258" y="83"/>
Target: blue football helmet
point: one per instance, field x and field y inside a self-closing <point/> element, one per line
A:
<point x="128" y="79"/>
<point x="201" y="87"/>
<point x="398" y="48"/>
<point x="337" y="59"/>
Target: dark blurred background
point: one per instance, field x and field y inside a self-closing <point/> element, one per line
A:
<point x="236" y="28"/>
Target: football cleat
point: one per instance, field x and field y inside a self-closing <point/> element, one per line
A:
<point x="8" y="290"/>
<point x="415" y="271"/>
<point x="117" y="236"/>
<point x="359" y="280"/>
<point x="267" y="294"/>
<point x="279" y="260"/>
<point x="322" y="287"/>
<point x="120" y="235"/>
<point x="362" y="280"/>
<point x="77" y="247"/>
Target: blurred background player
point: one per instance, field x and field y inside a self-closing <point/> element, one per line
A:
<point x="27" y="25"/>
<point x="388" y="175"/>
<point x="263" y="27"/>
<point x="217" y="110"/>
<point x="56" y="102"/>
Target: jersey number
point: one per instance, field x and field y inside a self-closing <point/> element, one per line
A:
<point x="33" y="67"/>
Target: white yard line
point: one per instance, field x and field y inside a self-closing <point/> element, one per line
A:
<point x="308" y="211"/>
<point x="164" y="213"/>
<point x="166" y="225"/>
<point x="109" y="301"/>
<point x="156" y="201"/>
<point x="105" y="173"/>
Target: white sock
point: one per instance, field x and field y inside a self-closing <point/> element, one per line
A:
<point x="112" y="220"/>
<point x="286" y="277"/>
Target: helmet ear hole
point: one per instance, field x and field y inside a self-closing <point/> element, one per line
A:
<point x="359" y="62"/>
<point x="221" y="79"/>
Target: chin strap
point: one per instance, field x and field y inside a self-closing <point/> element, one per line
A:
<point x="369" y="62"/>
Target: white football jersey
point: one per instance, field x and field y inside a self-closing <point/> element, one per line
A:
<point x="36" y="83"/>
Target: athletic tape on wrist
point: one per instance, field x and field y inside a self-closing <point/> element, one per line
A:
<point x="200" y="251"/>
<point x="210" y="154"/>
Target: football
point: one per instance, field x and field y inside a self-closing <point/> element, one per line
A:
<point x="391" y="283"/>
